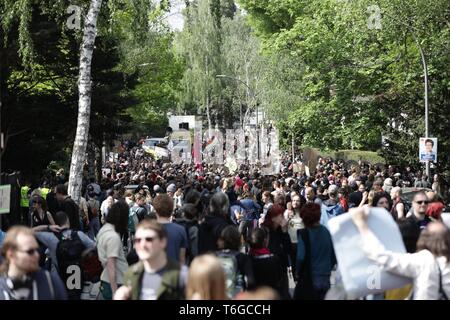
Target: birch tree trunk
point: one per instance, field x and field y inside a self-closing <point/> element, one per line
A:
<point x="84" y="101"/>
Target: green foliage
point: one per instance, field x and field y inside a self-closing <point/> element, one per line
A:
<point x="358" y="84"/>
<point x="39" y="90"/>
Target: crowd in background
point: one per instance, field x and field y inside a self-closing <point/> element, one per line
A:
<point x="155" y="230"/>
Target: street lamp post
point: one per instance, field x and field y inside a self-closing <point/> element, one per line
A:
<point x="425" y="71"/>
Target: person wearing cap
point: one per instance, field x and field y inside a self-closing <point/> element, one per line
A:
<point x="331" y="207"/>
<point x="171" y="189"/>
<point x="157" y="190"/>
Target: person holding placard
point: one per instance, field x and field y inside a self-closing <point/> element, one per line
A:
<point x="428" y="268"/>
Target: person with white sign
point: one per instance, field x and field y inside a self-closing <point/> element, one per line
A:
<point x="428" y="268"/>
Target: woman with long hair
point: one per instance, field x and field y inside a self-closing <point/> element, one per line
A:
<point x="206" y="279"/>
<point x="40" y="216"/>
<point x="279" y="242"/>
<point x="110" y="249"/>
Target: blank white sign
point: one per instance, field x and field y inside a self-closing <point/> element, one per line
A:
<point x="360" y="275"/>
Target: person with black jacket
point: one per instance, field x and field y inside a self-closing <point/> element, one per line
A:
<point x="68" y="206"/>
<point x="213" y="224"/>
<point x="279" y="243"/>
<point x="189" y="221"/>
<point x="267" y="267"/>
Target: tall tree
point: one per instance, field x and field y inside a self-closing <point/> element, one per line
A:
<point x="199" y="44"/>
<point x="84" y="103"/>
<point x="362" y="75"/>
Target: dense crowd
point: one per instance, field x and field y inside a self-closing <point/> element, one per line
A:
<point x="150" y="230"/>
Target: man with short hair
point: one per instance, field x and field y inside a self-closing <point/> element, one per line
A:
<point x="23" y="279"/>
<point x="139" y="207"/>
<point x="331" y="207"/>
<point x="107" y="204"/>
<point x="176" y="234"/>
<point x="321" y="196"/>
<point x="68" y="206"/>
<point x="417" y="218"/>
<point x="309" y="194"/>
<point x="156" y="276"/>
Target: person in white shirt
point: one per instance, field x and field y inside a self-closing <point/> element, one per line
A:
<point x="106" y="205"/>
<point x="295" y="223"/>
<point x="428" y="268"/>
<point x="110" y="249"/>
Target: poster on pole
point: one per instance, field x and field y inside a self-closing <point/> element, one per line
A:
<point x="5" y="198"/>
<point x="428" y="149"/>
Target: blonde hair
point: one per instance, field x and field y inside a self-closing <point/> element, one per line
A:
<point x="10" y="243"/>
<point x="206" y="279"/>
<point x="228" y="183"/>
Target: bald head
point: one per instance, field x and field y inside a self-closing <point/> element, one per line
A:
<point x="309" y="193"/>
<point x="396" y="192"/>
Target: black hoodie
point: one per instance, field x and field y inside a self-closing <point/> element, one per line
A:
<point x="209" y="232"/>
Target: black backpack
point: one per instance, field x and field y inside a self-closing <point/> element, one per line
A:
<point x="69" y="253"/>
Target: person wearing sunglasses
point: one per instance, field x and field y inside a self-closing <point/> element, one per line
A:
<point x="156" y="276"/>
<point x="419" y="209"/>
<point x="20" y="275"/>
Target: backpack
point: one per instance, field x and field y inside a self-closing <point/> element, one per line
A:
<point x="92" y="212"/>
<point x="91" y="265"/>
<point x="229" y="264"/>
<point x="68" y="254"/>
<point x="133" y="219"/>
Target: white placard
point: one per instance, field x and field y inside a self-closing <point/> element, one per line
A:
<point x="446" y="218"/>
<point x="360" y="275"/>
<point x="5" y="198"/>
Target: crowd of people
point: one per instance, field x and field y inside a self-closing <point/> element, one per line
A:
<point x="152" y="230"/>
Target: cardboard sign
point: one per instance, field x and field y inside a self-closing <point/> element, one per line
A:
<point x="360" y="275"/>
<point x="5" y="198"/>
